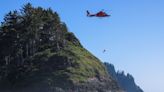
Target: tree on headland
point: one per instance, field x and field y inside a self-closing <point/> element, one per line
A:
<point x="26" y="32"/>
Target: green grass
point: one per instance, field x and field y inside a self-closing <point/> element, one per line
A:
<point x="86" y="64"/>
<point x="89" y="65"/>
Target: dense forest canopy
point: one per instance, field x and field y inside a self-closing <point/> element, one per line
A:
<point x="26" y="32"/>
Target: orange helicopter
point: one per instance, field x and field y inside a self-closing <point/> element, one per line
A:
<point x="99" y="14"/>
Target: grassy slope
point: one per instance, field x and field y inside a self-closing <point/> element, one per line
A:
<point x="84" y="64"/>
<point x="89" y="65"/>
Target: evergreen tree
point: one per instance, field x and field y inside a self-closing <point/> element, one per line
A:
<point x="24" y="33"/>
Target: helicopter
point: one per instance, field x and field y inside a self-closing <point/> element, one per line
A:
<point x="99" y="14"/>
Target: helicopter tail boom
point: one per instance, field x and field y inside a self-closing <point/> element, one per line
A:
<point x="90" y="15"/>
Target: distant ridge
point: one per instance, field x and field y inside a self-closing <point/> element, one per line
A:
<point x="125" y="81"/>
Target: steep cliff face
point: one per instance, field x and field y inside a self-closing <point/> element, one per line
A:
<point x="125" y="81"/>
<point x="38" y="54"/>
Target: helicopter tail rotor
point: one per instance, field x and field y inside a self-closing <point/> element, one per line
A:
<point x="88" y="13"/>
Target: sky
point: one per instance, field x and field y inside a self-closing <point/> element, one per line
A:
<point x="133" y="36"/>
